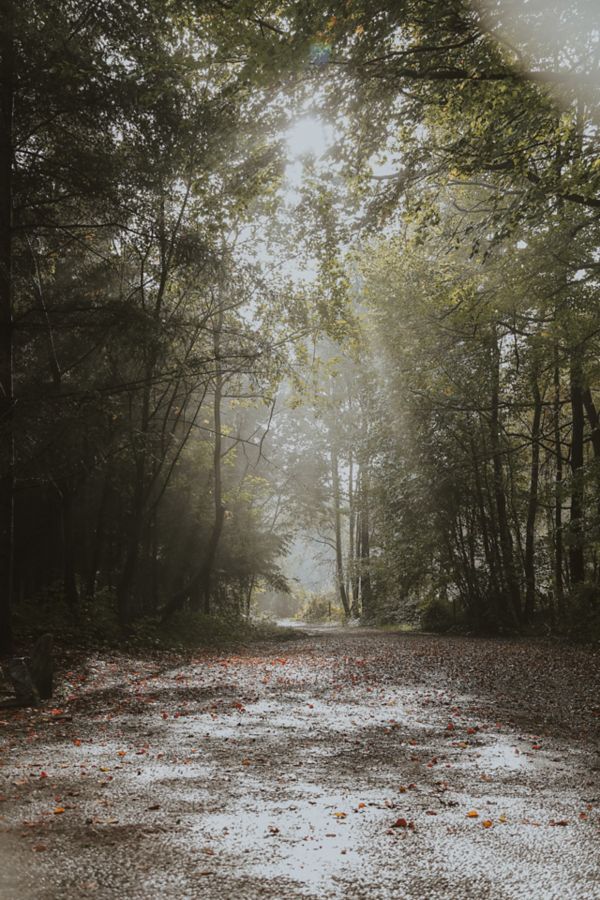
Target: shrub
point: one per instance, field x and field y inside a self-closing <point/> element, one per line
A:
<point x="437" y="615"/>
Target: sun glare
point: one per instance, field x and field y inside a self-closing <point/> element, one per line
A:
<point x="308" y="136"/>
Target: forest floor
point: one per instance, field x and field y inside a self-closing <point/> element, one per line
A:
<point x="348" y="763"/>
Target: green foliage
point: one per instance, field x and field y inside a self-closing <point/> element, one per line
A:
<point x="320" y="609"/>
<point x="438" y="365"/>
<point x="437" y="615"/>
<point x="583" y="617"/>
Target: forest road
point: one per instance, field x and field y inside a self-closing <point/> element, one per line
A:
<point x="344" y="764"/>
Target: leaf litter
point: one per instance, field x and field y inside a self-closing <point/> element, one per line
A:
<point x="145" y="765"/>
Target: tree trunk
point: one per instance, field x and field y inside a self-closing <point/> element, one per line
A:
<point x="532" y="505"/>
<point x="593" y="419"/>
<point x="215" y="537"/>
<point x="511" y="611"/>
<point x="7" y="447"/>
<point x="558" y="536"/>
<point x="337" y="513"/>
<point x="576" y="551"/>
<point x="352" y="582"/>
<point x="366" y="590"/>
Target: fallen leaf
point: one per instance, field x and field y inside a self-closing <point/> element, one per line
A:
<point x="472" y="814"/>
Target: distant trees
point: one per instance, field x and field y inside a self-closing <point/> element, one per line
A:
<point x="488" y="366"/>
<point x="475" y="177"/>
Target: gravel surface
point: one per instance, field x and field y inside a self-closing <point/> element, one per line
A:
<point x="348" y="763"/>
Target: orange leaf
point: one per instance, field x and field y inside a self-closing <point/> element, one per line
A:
<point x="487" y="823"/>
<point x="472" y="814"/>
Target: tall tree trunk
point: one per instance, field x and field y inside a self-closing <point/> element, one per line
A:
<point x="7" y="446"/>
<point x="576" y="551"/>
<point x="337" y="514"/>
<point x="532" y="505"/>
<point x="219" y="519"/>
<point x="558" y="479"/>
<point x="491" y="555"/>
<point x="511" y="611"/>
<point x="352" y="580"/>
<point x="366" y="588"/>
<point x="594" y="420"/>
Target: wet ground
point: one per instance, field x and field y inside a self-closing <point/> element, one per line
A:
<point x="346" y="764"/>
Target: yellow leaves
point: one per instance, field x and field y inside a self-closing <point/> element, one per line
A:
<point x="340" y="815"/>
<point x="487" y="823"/>
<point x="472" y="814"/>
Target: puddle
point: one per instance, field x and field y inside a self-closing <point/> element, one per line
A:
<point x="302" y="841"/>
<point x="500" y="756"/>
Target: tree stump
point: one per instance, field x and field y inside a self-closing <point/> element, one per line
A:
<point x="41" y="666"/>
<point x="31" y="677"/>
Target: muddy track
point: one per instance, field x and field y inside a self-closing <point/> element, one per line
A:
<point x="350" y="764"/>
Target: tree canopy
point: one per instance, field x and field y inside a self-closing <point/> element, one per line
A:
<point x="388" y="345"/>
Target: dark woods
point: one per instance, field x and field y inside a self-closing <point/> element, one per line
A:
<point x="128" y="155"/>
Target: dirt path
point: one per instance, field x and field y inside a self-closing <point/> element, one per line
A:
<point x="345" y="764"/>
